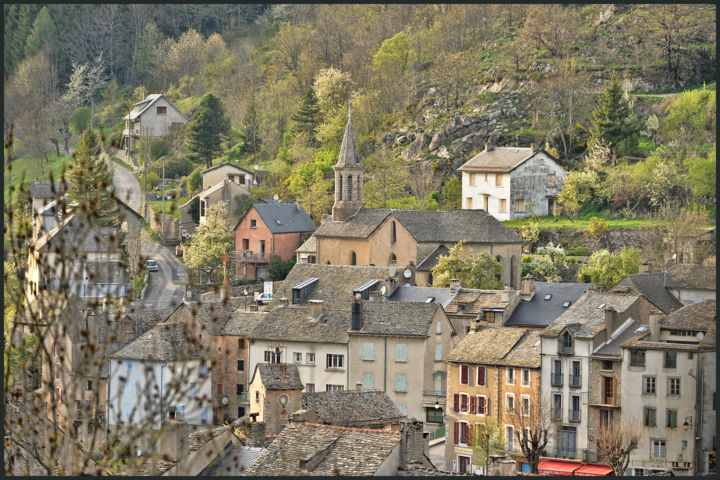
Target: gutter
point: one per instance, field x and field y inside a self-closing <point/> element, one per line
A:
<point x="162" y="369"/>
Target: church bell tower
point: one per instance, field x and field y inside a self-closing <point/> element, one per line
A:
<point x="348" y="177"/>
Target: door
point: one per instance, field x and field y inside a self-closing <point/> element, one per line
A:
<point x="566" y="442"/>
<point x="463" y="464"/>
<point x="551" y="206"/>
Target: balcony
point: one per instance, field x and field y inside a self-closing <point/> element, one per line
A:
<point x="556" y="379"/>
<point x="574" y="415"/>
<point x="434" y="393"/>
<point x="243" y="397"/>
<point x="575" y="381"/>
<point x="247" y="256"/>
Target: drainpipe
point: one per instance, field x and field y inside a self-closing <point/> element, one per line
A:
<point x="385" y="366"/>
<point x="347" y="355"/>
<point x="162" y="369"/>
<point x="697" y="428"/>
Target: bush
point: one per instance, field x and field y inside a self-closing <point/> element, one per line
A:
<point x="158" y="148"/>
<point x="527" y="259"/>
<point x="597" y="227"/>
<point x="116" y="140"/>
<point x="194" y="180"/>
<point x="175" y="167"/>
<point x="153" y="179"/>
<point x="80" y="120"/>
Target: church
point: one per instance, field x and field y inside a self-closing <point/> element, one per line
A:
<point x="355" y="235"/>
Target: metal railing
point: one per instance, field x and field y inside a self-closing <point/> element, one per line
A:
<point x="556" y="379"/>
<point x="575" y="380"/>
<point x="434" y="393"/>
<point x="243" y="397"/>
<point x="574" y="415"/>
<point x="246" y="256"/>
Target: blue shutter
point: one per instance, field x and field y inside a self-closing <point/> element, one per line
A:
<point x="400" y="382"/>
<point x="204" y="415"/>
<point x="438" y="352"/>
<point x="368" y="351"/>
<point x="126" y="412"/>
<point x="401" y="352"/>
<point x="402" y="409"/>
<point x="181" y="411"/>
<point x="368" y="381"/>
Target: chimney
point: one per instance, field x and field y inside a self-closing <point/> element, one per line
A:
<point x="174" y="440"/>
<point x="357" y="319"/>
<point x="654" y="324"/>
<point x="256" y="434"/>
<point x="505" y="294"/>
<point x="308" y="415"/>
<point x="528" y="285"/>
<point x="532" y="147"/>
<point x="414" y="447"/>
<point x="610" y="321"/>
<point x="644" y="268"/>
<point x="454" y="285"/>
<point x="316" y="308"/>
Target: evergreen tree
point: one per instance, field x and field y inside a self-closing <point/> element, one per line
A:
<point x="307" y="117"/>
<point x="43" y="32"/>
<point x="90" y="186"/>
<point x="614" y="122"/>
<point x="207" y="129"/>
<point x="250" y="129"/>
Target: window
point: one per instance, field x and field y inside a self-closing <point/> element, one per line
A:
<point x="127" y="410"/>
<point x="462" y="433"/>
<point x="637" y="358"/>
<point x="245" y="245"/>
<point x="128" y="367"/>
<point x="557" y="407"/>
<point x="193" y="388"/>
<point x="257" y="397"/>
<point x="486" y="199"/>
<point x="605" y="418"/>
<point x="464" y="402"/>
<point x="509" y="402"/>
<point x="219" y="389"/>
<point x="608" y="393"/>
<point x="525" y="405"/>
<point x="575" y="408"/>
<point x="89" y="385"/>
<point x="464" y="374"/>
<point x="161" y="110"/>
<point x="607" y="365"/>
<point x="57" y="370"/>
<point x="239" y="389"/>
<point x="334" y="361"/>
<point x="649" y="386"/>
<point x="438" y="328"/>
<point x="519" y="205"/>
<point x="128" y="386"/>
<point x="551" y="180"/>
<point x="671" y="418"/>
<point x="556" y="376"/>
<point x="310" y="387"/>
<point x="368" y="381"/>
<point x="481" y="403"/>
<point x="202" y="207"/>
<point x="649" y="416"/>
<point x="253" y="223"/>
<point x="334" y="388"/>
<point x="400" y="382"/>
<point x="434" y="415"/>
<point x="393" y="237"/>
<point x="498" y="180"/>
<point x="463" y="462"/>
<point x="471" y="179"/>
<point x="298" y="357"/>
<point x="310" y="358"/>
<point x="481" y="376"/>
<point x="526" y="377"/>
<point x="241" y="365"/>
<point x="240" y="343"/>
<point x="203" y="370"/>
<point x="353" y="258"/>
<point x="503" y="205"/>
<point x="402" y="409"/>
<point x="368" y="351"/>
<point x="438" y="352"/>
<point x="401" y="352"/>
<point x="670" y="360"/>
<point x="511" y="376"/>
<point x="349" y="187"/>
<point x="510" y="437"/>
<point x="673" y="386"/>
<point x="340" y="189"/>
<point x="566" y="343"/>
<point x="273" y="356"/>
<point x="575" y="379"/>
<point x="658" y="448"/>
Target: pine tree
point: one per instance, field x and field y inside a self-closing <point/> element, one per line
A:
<point x="307" y="117"/>
<point x="43" y="32"/>
<point x="250" y="129"/>
<point x="614" y="122"/>
<point x="207" y="129"/>
<point x="90" y="189"/>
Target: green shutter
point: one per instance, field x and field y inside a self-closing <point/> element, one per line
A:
<point x="368" y="381"/>
<point x="368" y="351"/>
<point x="401" y="352"/>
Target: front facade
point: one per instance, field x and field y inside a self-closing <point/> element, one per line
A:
<point x="224" y="191"/>
<point x="512" y="182"/>
<point x="227" y="171"/>
<point x="275" y="392"/>
<point x="154" y="116"/>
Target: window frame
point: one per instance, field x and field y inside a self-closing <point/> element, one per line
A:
<point x="241" y="365"/>
<point x="310" y="358"/>
<point x="671" y="414"/>
<point x="508" y="397"/>
<point x="525" y="373"/>
<point x="671" y="388"/>
<point x="335" y="361"/>
<point x="649" y="380"/>
<point x="298" y="357"/>
<point x="371" y="376"/>
<point x="655" y="445"/>
<point x="481" y="368"/>
<point x="510" y="375"/>
<point x="523" y="399"/>
<point x="648" y="419"/>
<point x="401" y="348"/>
<point x="636" y="356"/>
<point x="464" y="373"/>
<point x="667" y="362"/>
<point x="368" y="347"/>
<point x="484" y="405"/>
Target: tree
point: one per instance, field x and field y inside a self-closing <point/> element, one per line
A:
<point x="185" y="57"/>
<point x="210" y="240"/>
<point x="701" y="172"/>
<point x="386" y="178"/>
<point x="691" y="119"/>
<point x="136" y="240"/>
<point x="471" y="270"/>
<point x="279" y="268"/>
<point x="532" y="427"/>
<point x="422" y="184"/>
<point x="614" y="122"/>
<point x="194" y="180"/>
<point x="95" y="79"/>
<point x="486" y="439"/>
<point x="90" y="187"/>
<point x="250" y="128"/>
<point x="43" y="32"/>
<point x="530" y="234"/>
<point x="616" y="441"/>
<point x="307" y="117"/>
<point x="207" y="129"/>
<point x="553" y="28"/>
<point x="317" y="199"/>
<point x="597" y="227"/>
<point x="452" y="193"/>
<point x="450" y="75"/>
<point x="578" y="188"/>
<point x="606" y="268"/>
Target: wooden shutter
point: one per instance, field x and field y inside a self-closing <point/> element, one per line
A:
<point x="327" y="361"/>
<point x="481" y="376"/>
<point x="455" y="429"/>
<point x="480" y="405"/>
<point x="472" y="405"/>
<point x="463" y="374"/>
<point x="487" y="406"/>
<point x="456" y="403"/>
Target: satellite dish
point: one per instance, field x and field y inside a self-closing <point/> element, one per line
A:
<point x="256" y="167"/>
<point x="276" y="197"/>
<point x="700" y="335"/>
<point x="407" y="273"/>
<point x="383" y="289"/>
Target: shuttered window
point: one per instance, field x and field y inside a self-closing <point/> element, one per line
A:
<point x="481" y="376"/>
<point x="456" y="402"/>
<point x="368" y="381"/>
<point x="401" y="352"/>
<point x="472" y="405"/>
<point x="480" y="405"/>
<point x="368" y="351"/>
<point x="438" y="352"/>
<point x="464" y="374"/>
<point x="400" y="382"/>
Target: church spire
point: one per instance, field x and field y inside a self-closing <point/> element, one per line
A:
<point x="348" y="149"/>
<point x="348" y="176"/>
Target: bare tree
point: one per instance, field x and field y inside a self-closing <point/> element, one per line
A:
<point x="532" y="426"/>
<point x="616" y="441"/>
<point x="422" y="183"/>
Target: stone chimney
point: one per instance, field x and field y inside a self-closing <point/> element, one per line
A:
<point x="532" y="147"/>
<point x="356" y="315"/>
<point x="256" y="434"/>
<point x="527" y="286"/>
<point x="316" y="308"/>
<point x="486" y="147"/>
<point x="454" y="285"/>
<point x="174" y="442"/>
<point x="505" y="294"/>
<point x="414" y="447"/>
<point x="610" y="322"/>
<point x="308" y="415"/>
<point x="654" y="324"/>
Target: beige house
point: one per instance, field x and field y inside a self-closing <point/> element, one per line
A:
<point x="275" y="392"/>
<point x="227" y="171"/>
<point x="398" y="348"/>
<point x="154" y="116"/>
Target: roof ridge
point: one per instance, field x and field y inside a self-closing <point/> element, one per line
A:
<point x="352" y="429"/>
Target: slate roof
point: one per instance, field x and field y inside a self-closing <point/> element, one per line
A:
<point x="44" y="189"/>
<point x="642" y="341"/>
<point x="335" y="283"/>
<point x="360" y="225"/>
<point x="348" y="156"/>
<point x="225" y="164"/>
<point x="242" y="323"/>
<point x="473" y="226"/>
<point x="283" y="217"/>
<point x="212" y="316"/>
<point x="278" y="376"/>
<point x="431" y="260"/>
<point x="652" y="287"/>
<point x="164" y="341"/>
<point x="500" y="159"/>
<point x="584" y="317"/>
<point x="697" y="316"/>
<point x="100" y="240"/>
<point x="499" y="346"/>
<point x="106" y="272"/>
<point x="620" y="336"/>
<point x="310" y="246"/>
<point x="538" y="312"/>
<point x="340" y="451"/>
<point x="410" y="293"/>
<point x="691" y="277"/>
<point x="475" y="301"/>
<point x="148" y="102"/>
<point x="352" y="408"/>
<point x="404" y="319"/>
<point x="294" y="323"/>
<point x="236" y="459"/>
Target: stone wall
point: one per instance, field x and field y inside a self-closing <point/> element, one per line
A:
<point x="172" y="228"/>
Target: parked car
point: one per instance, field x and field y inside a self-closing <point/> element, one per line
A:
<point x="264" y="298"/>
<point x="151" y="266"/>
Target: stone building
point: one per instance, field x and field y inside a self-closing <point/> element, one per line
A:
<point x="154" y="116"/>
<point x="275" y="391"/>
<point x="512" y="182"/>
<point x="353" y="408"/>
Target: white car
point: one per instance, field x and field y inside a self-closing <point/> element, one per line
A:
<point x="264" y="298"/>
<point x="151" y="266"/>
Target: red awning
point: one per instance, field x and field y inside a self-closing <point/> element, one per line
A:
<point x="557" y="467"/>
<point x="594" y="470"/>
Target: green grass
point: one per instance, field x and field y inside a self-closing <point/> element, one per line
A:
<point x="32" y="171"/>
<point x="118" y="161"/>
<point x="157" y="206"/>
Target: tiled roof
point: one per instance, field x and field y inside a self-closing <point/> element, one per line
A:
<point x="212" y="316"/>
<point x="284" y="217"/>
<point x="242" y="323"/>
<point x="691" y="277"/>
<point x="337" y="451"/>
<point x="279" y="376"/>
<point x="652" y="287"/>
<point x="360" y="225"/>
<point x="295" y="323"/>
<point x="538" y="312"/>
<point x="642" y="341"/>
<point x="475" y="301"/>
<point x="498" y="159"/>
<point x="100" y="240"/>
<point x="411" y="293"/>
<point x="586" y="316"/>
<point x="452" y="226"/>
<point x="614" y="347"/>
<point x="697" y="316"/>
<point x="499" y="346"/>
<point x="310" y="246"/>
<point x="106" y="272"/>
<point x="164" y="341"/>
<point x="406" y="319"/>
<point x="225" y="164"/>
<point x="236" y="459"/>
<point x="431" y="260"/>
<point x="351" y="408"/>
<point x="44" y="189"/>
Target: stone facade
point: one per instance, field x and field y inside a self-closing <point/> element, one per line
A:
<point x="273" y="405"/>
<point x="229" y="380"/>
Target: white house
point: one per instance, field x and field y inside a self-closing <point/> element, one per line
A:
<point x="511" y="182"/>
<point x="154" y="116"/>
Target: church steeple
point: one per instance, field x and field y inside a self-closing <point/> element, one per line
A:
<point x="348" y="176"/>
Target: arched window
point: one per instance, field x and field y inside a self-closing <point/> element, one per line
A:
<point x="353" y="258"/>
<point x="394" y="232"/>
<point x="340" y="187"/>
<point x="513" y="268"/>
<point x="566" y="343"/>
<point x="349" y="182"/>
<point x="328" y="262"/>
<point x="499" y="259"/>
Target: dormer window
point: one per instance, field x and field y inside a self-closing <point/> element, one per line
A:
<point x="566" y="343"/>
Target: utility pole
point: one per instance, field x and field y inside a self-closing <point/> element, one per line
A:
<point x="162" y="189"/>
<point x="145" y="163"/>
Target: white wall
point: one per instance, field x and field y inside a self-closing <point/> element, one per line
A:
<point x="709" y="419"/>
<point x="159" y="124"/>
<point x="688" y="296"/>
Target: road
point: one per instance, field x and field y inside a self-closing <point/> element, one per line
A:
<point x="167" y="286"/>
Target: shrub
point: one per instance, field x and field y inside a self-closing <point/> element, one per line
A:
<point x="597" y="227"/>
<point x="80" y="120"/>
<point x="194" y="180"/>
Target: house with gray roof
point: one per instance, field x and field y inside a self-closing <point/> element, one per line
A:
<point x="353" y="408"/>
<point x="154" y="116"/>
<point x="512" y="182"/>
<point x="544" y="302"/>
<point x="275" y="392"/>
<point x="651" y="286"/>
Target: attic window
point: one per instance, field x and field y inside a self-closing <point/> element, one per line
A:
<point x="161" y="110"/>
<point x="429" y="299"/>
<point x="602" y="305"/>
<point x="548" y="296"/>
<point x="566" y="304"/>
<point x="301" y="291"/>
<point x="461" y="307"/>
<point x="367" y="287"/>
